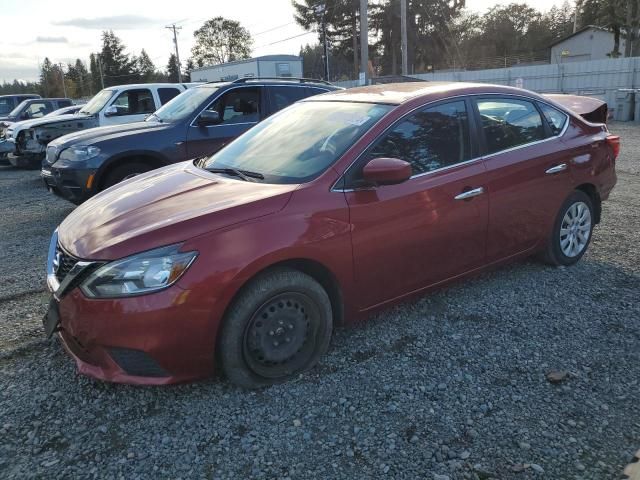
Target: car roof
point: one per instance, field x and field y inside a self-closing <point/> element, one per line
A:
<point x="294" y="82"/>
<point x="398" y="93"/>
<point x="145" y="85"/>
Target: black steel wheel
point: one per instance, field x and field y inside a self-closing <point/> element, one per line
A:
<point x="278" y="327"/>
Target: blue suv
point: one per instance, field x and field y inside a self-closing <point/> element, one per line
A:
<point x="196" y="123"/>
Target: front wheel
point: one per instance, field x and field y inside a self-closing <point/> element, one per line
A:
<point x="124" y="172"/>
<point x="571" y="231"/>
<point x="279" y="326"/>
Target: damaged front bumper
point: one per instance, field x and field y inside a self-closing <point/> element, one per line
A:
<point x="7" y="146"/>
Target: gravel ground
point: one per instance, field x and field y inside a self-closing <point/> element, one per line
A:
<point x="452" y="386"/>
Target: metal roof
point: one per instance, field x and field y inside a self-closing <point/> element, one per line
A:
<point x="578" y="32"/>
<point x="263" y="58"/>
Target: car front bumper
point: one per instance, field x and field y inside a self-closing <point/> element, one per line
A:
<point x="148" y="340"/>
<point x="71" y="184"/>
<point x="163" y="337"/>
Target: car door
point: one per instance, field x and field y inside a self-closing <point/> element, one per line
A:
<point x="431" y="227"/>
<point x="527" y="174"/>
<point x="239" y="109"/>
<point x="129" y="106"/>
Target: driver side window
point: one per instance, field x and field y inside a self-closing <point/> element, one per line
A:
<point x="134" y="102"/>
<point x="429" y="139"/>
<point x="240" y="105"/>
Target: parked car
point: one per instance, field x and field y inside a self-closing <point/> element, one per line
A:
<point x="197" y="122"/>
<point x="65" y="110"/>
<point x="111" y="106"/>
<point x="34" y="108"/>
<point x="9" y="102"/>
<point x="333" y="208"/>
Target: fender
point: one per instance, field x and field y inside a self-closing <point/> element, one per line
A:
<point x="157" y="157"/>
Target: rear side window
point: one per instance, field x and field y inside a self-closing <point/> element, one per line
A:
<point x="135" y="102"/>
<point x="555" y="118"/>
<point x="282" y="97"/>
<point x="508" y="123"/>
<point x="430" y="139"/>
<point x="167" y="94"/>
<point x="6" y="105"/>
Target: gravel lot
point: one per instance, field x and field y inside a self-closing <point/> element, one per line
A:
<point x="452" y="386"/>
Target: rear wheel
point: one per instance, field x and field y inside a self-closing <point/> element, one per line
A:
<point x="279" y="326"/>
<point x="124" y="172"/>
<point x="571" y="231"/>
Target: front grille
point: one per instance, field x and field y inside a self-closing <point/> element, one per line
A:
<point x="136" y="363"/>
<point x="65" y="263"/>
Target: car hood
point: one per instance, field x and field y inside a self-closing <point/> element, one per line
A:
<point x="99" y="134"/>
<point x="37" y="122"/>
<point x="163" y="207"/>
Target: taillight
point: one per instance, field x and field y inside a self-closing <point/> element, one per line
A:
<point x="614" y="142"/>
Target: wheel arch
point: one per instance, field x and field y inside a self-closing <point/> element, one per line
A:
<point x="151" y="158"/>
<point x="592" y="193"/>
<point x="316" y="270"/>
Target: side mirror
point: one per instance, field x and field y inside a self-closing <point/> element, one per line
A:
<point x="111" y="111"/>
<point x="24" y="115"/>
<point x="209" y="117"/>
<point x="387" y="171"/>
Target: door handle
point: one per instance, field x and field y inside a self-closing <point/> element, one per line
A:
<point x="469" y="194"/>
<point x="557" y="169"/>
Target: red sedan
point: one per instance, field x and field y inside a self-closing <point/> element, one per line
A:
<point x="338" y="205"/>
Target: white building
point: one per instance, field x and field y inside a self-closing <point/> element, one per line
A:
<point x="265" y="66"/>
<point x="588" y="43"/>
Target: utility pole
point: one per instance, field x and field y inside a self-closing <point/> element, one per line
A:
<point x="64" y="87"/>
<point x="320" y="11"/>
<point x="403" y="29"/>
<point x="175" y="41"/>
<point x="100" y="69"/>
<point x="364" y="43"/>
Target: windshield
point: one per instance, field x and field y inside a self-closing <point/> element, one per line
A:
<point x="16" y="111"/>
<point x="97" y="102"/>
<point x="300" y="142"/>
<point x="183" y="105"/>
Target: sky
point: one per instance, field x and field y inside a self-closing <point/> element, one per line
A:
<point x="64" y="30"/>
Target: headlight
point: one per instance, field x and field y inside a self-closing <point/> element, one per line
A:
<point x="79" y="153"/>
<point x="139" y="274"/>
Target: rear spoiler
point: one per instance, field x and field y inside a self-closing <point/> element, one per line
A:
<point x="591" y="109"/>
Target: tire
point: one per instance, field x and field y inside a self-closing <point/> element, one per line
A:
<point x="279" y="326"/>
<point x="572" y="231"/>
<point x="124" y="172"/>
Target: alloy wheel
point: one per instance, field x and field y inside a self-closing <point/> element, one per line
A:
<point x="575" y="229"/>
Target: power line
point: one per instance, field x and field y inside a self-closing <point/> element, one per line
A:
<point x="274" y="28"/>
<point x="285" y="39"/>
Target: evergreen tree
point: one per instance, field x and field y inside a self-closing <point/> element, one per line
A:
<point x="94" y="71"/>
<point x="117" y="66"/>
<point x="172" y="69"/>
<point x="145" y="67"/>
